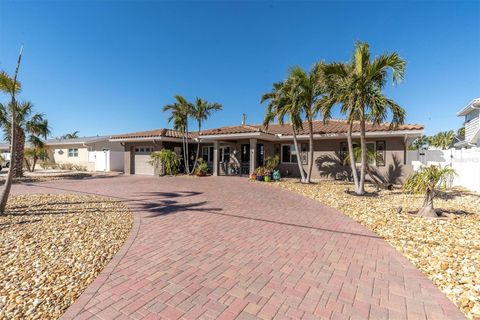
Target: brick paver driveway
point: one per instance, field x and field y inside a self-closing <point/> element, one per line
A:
<point x="228" y="248"/>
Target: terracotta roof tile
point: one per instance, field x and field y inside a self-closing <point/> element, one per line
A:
<point x="331" y="127"/>
<point x="158" y="133"/>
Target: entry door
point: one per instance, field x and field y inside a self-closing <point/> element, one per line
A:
<point x="260" y="155"/>
<point x="224" y="159"/>
<point x="101" y="160"/>
<point x="245" y="159"/>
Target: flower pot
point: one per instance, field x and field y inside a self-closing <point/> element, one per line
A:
<point x="253" y="176"/>
<point x="267" y="178"/>
<point x="259" y="178"/>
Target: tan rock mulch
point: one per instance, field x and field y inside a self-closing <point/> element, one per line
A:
<point x="52" y="247"/>
<point x="447" y="250"/>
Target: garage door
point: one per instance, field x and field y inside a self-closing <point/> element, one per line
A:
<point x="142" y="157"/>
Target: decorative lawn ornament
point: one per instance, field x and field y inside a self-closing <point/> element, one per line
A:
<point x="276" y="175"/>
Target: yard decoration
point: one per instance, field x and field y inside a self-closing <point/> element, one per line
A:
<point x="425" y="181"/>
<point x="276" y="175"/>
<point x="259" y="173"/>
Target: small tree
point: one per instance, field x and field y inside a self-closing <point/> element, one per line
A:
<point x="168" y="159"/>
<point x="442" y="140"/>
<point x="72" y="135"/>
<point x="425" y="181"/>
<point x="32" y="155"/>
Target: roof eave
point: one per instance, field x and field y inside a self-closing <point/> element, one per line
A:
<point x="474" y="104"/>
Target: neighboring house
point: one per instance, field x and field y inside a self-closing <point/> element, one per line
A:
<point x="93" y="153"/>
<point x="238" y="150"/>
<point x="472" y="125"/>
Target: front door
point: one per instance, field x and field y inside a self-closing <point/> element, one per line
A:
<point x="224" y="159"/>
<point x="260" y="155"/>
<point x="245" y="159"/>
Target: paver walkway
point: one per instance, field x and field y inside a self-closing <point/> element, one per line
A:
<point x="227" y="248"/>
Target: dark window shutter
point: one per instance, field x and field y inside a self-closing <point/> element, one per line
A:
<point x="285" y="153"/>
<point x="381" y="147"/>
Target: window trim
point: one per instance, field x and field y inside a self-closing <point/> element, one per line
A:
<point x="74" y="152"/>
<point x="281" y="153"/>
<point x="208" y="148"/>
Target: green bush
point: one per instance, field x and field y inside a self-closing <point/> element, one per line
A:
<point x="168" y="159"/>
<point x="202" y="167"/>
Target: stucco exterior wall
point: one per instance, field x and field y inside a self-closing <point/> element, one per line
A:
<point x="58" y="154"/>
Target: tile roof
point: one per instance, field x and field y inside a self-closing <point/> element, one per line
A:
<point x="158" y="133"/>
<point x="331" y="127"/>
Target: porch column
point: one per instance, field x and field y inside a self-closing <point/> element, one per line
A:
<point x="216" y="145"/>
<point x="253" y="155"/>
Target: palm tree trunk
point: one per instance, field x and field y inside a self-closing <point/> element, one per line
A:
<point x="19" y="156"/>
<point x="187" y="154"/>
<point x="300" y="167"/>
<point x="310" y="151"/>
<point x="363" y="169"/>
<point x="427" y="209"/>
<point x="353" y="165"/>
<point x="34" y="163"/>
<point x="184" y="153"/>
<point x="27" y="164"/>
<point x="198" y="146"/>
<point x="8" y="182"/>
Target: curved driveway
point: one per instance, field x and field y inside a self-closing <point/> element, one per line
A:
<point x="227" y="248"/>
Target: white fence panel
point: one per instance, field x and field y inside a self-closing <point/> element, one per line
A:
<point x="466" y="163"/>
<point x="116" y="161"/>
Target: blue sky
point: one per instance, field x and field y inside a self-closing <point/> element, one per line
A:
<point x="105" y="67"/>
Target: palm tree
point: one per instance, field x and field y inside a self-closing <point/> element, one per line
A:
<point x="201" y="110"/>
<point x="442" y="140"/>
<point x="420" y="142"/>
<point x="307" y="88"/>
<point x="425" y="181"/>
<point x="72" y="135"/>
<point x="180" y="111"/>
<point x="28" y="125"/>
<point x="10" y="86"/>
<point x="358" y="86"/>
<point x="281" y="105"/>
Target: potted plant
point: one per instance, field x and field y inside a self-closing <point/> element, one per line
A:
<point x="267" y="175"/>
<point x="259" y="173"/>
<point x="253" y="176"/>
<point x="202" y="168"/>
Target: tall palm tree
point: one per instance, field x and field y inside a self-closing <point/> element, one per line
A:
<point x="201" y="110"/>
<point x="442" y="140"/>
<point x="283" y="104"/>
<point x="307" y="88"/>
<point x="180" y="111"/>
<point x="28" y="125"/>
<point x="10" y="86"/>
<point x="358" y="86"/>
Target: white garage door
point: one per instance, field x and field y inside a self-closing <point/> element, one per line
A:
<point x="142" y="157"/>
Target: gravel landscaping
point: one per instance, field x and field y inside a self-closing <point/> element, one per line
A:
<point x="52" y="247"/>
<point x="447" y="249"/>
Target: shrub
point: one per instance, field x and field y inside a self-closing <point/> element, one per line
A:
<point x="168" y="159"/>
<point x="202" y="168"/>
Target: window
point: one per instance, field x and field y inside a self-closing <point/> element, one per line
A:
<point x="73" y="152"/>
<point x="225" y="154"/>
<point x="376" y="148"/>
<point x="207" y="154"/>
<point x="143" y="149"/>
<point x="289" y="155"/>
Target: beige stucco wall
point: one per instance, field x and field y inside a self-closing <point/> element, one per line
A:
<point x="58" y="154"/>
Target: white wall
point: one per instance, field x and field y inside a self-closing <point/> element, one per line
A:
<point x="465" y="162"/>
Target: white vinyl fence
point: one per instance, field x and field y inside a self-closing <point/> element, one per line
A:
<point x="466" y="163"/>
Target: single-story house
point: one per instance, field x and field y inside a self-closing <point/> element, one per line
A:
<point x="95" y="153"/>
<point x="472" y="125"/>
<point x="238" y="150"/>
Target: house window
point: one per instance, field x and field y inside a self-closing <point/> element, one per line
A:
<point x="207" y="154"/>
<point x="73" y="152"/>
<point x="289" y="154"/>
<point x="143" y="149"/>
<point x="371" y="149"/>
